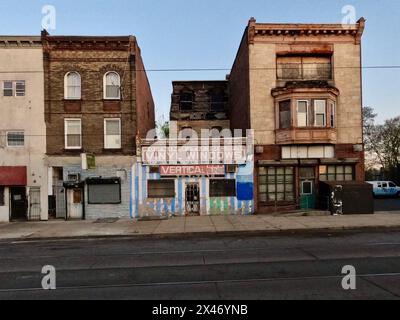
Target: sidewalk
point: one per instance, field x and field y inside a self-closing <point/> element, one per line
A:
<point x="189" y="226"/>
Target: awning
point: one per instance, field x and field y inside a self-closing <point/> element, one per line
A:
<point x="13" y="176"/>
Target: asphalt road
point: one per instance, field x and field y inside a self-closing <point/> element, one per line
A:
<point x="387" y="204"/>
<point x="274" y="267"/>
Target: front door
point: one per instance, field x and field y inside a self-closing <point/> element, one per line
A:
<point x="75" y="203"/>
<point x="19" y="203"/>
<point x="307" y="188"/>
<point x="192" y="199"/>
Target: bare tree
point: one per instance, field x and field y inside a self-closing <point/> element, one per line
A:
<point x="382" y="143"/>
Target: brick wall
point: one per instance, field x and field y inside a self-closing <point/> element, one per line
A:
<point x="92" y="58"/>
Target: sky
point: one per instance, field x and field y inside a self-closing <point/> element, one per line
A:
<point x="181" y="34"/>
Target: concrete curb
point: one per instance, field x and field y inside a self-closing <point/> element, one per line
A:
<point x="250" y="233"/>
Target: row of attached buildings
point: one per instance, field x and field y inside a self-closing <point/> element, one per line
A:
<point x="76" y="113"/>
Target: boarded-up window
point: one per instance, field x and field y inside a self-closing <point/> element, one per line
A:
<point x="223" y="188"/>
<point x="2" y="202"/>
<point x="284" y="114"/>
<point x="304" y="68"/>
<point x="161" y="189"/>
<point x="104" y="191"/>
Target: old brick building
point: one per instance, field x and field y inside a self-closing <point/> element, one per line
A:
<point x="200" y="105"/>
<point x="97" y="101"/>
<point x="299" y="87"/>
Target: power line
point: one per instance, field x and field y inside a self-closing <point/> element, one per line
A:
<point x="208" y="69"/>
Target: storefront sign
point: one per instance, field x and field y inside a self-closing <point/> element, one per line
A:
<point x="199" y="170"/>
<point x="192" y="155"/>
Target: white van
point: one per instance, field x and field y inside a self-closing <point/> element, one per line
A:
<point x="385" y="189"/>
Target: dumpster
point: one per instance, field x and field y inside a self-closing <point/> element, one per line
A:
<point x="346" y="197"/>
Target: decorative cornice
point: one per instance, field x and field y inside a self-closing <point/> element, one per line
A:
<point x="305" y="87"/>
<point x="120" y="43"/>
<point x="20" y="41"/>
<point x="294" y="30"/>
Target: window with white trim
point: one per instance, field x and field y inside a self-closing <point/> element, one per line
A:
<point x="112" y="86"/>
<point x="15" y="139"/>
<point x="14" y="88"/>
<point x="73" y="133"/>
<point x="112" y="133"/>
<point x="302" y="113"/>
<point x="72" y="86"/>
<point x="320" y="113"/>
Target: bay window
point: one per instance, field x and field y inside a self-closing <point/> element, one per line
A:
<point x="302" y="113"/>
<point x="284" y="114"/>
<point x="320" y="113"/>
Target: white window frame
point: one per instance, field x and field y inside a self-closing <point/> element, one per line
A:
<point x="66" y="97"/>
<point x="319" y="113"/>
<point x="105" y="133"/>
<point x="105" y="86"/>
<point x="15" y="131"/>
<point x="14" y="88"/>
<point x="302" y="188"/>
<point x="297" y="112"/>
<point x="66" y="133"/>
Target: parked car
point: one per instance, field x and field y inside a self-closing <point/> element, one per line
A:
<point x="385" y="189"/>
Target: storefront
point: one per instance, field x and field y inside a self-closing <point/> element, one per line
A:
<point x="292" y="183"/>
<point x="14" y="194"/>
<point x="161" y="187"/>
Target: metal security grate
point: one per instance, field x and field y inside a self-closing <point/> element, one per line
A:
<point x="34" y="204"/>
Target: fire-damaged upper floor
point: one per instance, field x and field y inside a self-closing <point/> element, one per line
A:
<point x="199" y="100"/>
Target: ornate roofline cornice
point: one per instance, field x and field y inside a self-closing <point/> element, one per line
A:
<point x="125" y="43"/>
<point x="302" y="29"/>
<point x="20" y="41"/>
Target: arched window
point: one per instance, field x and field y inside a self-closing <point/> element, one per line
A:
<point x="72" y="86"/>
<point x="112" y="85"/>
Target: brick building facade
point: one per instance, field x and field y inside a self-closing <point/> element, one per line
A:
<point x="97" y="102"/>
<point x="299" y="87"/>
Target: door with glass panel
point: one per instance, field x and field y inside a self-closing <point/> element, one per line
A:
<point x="307" y="188"/>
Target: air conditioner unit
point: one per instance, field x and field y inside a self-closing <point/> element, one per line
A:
<point x="74" y="177"/>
